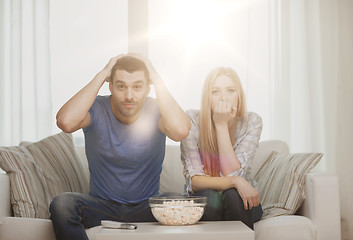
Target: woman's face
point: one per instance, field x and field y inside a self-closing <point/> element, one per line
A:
<point x="224" y="89"/>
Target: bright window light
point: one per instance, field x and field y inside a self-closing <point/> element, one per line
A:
<point x="187" y="39"/>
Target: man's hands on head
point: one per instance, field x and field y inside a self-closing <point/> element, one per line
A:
<point x="154" y="76"/>
<point x="107" y="70"/>
<point x="74" y="114"/>
<point x="173" y="123"/>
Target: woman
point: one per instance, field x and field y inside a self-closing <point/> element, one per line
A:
<point x="218" y="152"/>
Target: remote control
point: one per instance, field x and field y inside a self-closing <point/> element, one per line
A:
<point x="118" y="225"/>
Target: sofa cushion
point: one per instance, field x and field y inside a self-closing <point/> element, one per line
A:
<point x="26" y="194"/>
<point x="5" y="206"/>
<point x="26" y="228"/>
<point x="32" y="229"/>
<point x="285" y="227"/>
<point x="281" y="182"/>
<point x="264" y="151"/>
<point x="39" y="171"/>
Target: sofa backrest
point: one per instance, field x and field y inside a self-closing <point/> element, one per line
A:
<point x="81" y="152"/>
<point x="264" y="151"/>
<point x="172" y="178"/>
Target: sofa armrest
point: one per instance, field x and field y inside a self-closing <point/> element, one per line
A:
<point x="18" y="228"/>
<point x="5" y="207"/>
<point x="322" y="204"/>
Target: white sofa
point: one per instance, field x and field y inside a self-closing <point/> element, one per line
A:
<point x="318" y="218"/>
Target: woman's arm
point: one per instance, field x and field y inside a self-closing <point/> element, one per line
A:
<point x="190" y="154"/>
<point x="200" y="183"/>
<point x="247" y="192"/>
<point x="228" y="160"/>
<point x="238" y="161"/>
<point x="224" y="119"/>
<point x="247" y="142"/>
<point x="196" y="179"/>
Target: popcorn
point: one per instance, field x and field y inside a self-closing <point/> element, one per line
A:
<point x="178" y="212"/>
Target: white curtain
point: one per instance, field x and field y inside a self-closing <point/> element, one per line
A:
<point x="280" y="48"/>
<point x="304" y="75"/>
<point x="25" y="106"/>
<point x="189" y="38"/>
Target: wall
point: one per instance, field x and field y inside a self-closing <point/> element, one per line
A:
<point x="185" y="43"/>
<point x="344" y="129"/>
<point x="84" y="35"/>
<point x="2" y="55"/>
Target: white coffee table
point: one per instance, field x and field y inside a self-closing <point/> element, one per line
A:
<point x="224" y="230"/>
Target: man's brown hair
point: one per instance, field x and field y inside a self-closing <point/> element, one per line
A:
<point x="131" y="64"/>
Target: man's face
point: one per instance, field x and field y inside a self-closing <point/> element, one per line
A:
<point x="129" y="91"/>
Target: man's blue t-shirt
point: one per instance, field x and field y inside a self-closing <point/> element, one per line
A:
<point x="125" y="161"/>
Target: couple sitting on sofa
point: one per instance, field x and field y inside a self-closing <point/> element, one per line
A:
<point x="125" y="135"/>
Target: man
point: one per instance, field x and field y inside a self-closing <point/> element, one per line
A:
<point x="125" y="142"/>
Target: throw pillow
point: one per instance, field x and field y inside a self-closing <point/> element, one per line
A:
<point x="59" y="163"/>
<point x="26" y="192"/>
<point x="281" y="182"/>
<point x="39" y="171"/>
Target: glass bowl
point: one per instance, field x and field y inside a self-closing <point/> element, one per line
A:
<point x="180" y="210"/>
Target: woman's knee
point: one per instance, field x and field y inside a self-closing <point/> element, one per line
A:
<point x="214" y="199"/>
<point x="210" y="194"/>
<point x="233" y="203"/>
<point x="214" y="208"/>
<point x="232" y="195"/>
<point x="234" y="208"/>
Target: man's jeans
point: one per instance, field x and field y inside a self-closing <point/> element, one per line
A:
<point x="71" y="213"/>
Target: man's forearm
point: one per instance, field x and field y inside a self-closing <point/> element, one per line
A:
<point x="74" y="112"/>
<point x="174" y="123"/>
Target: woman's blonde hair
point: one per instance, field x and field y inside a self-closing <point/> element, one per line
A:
<point x="208" y="140"/>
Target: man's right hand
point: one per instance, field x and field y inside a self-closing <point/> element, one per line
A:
<point x="108" y="68"/>
<point x="74" y="114"/>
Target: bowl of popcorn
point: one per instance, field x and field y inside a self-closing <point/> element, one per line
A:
<point x="178" y="210"/>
